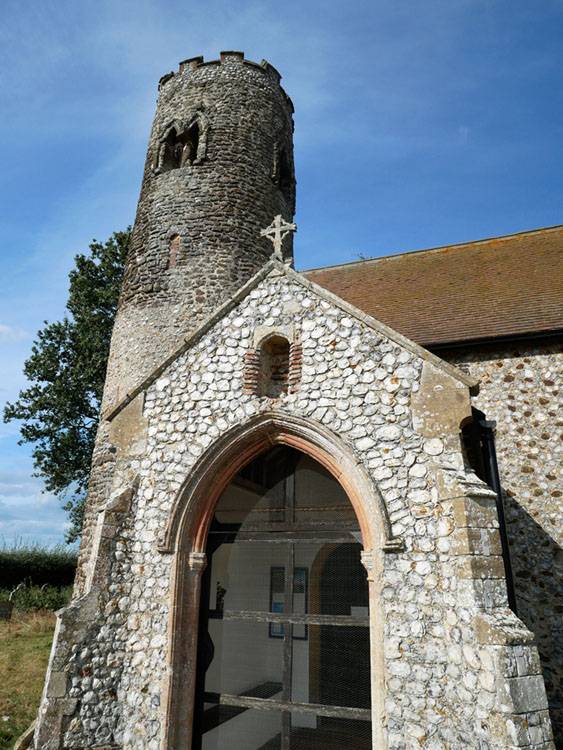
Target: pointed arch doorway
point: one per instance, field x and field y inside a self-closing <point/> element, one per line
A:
<point x="283" y="659"/>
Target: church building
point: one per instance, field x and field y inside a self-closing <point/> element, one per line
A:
<point x="323" y="510"/>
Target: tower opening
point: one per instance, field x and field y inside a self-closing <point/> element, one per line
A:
<point x="285" y="176"/>
<point x="174" y="247"/>
<point x="191" y="144"/>
<point x="171" y="151"/>
<point x="274" y="367"/>
<point x="283" y="656"/>
<point x="180" y="148"/>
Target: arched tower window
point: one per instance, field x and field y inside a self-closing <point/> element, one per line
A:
<point x="283" y="657"/>
<point x="171" y="152"/>
<point x="191" y="144"/>
<point x="183" y="144"/>
<point x="174" y="247"/>
<point x="285" y="175"/>
<point x="282" y="174"/>
<point x="274" y="367"/>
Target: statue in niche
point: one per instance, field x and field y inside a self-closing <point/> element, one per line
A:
<point x="191" y="145"/>
<point x="188" y="153"/>
<point x="178" y="152"/>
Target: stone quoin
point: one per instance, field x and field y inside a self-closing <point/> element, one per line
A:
<point x="297" y="534"/>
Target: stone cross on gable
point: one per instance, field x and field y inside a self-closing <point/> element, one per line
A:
<point x="276" y="232"/>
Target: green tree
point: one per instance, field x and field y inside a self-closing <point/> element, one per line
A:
<point x="66" y="371"/>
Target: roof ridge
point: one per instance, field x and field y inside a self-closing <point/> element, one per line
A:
<point x="437" y="248"/>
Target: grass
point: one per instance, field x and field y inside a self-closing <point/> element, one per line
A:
<point x="25" y="643"/>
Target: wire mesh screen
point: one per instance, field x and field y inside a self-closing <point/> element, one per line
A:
<point x="239" y="666"/>
<point x="240" y="576"/>
<point x="319" y="500"/>
<point x="283" y="657"/>
<point x="237" y="728"/>
<point x="339" y="673"/>
<point x="328" y="733"/>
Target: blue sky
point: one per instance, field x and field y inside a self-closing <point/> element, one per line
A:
<point x="417" y="124"/>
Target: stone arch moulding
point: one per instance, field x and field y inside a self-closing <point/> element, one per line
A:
<point x="263" y="333"/>
<point x="175" y="125"/>
<point x="195" y="503"/>
<point x="186" y="535"/>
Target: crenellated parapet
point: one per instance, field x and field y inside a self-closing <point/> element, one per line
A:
<point x="226" y="58"/>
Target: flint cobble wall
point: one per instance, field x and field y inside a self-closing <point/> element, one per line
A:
<point x="442" y="684"/>
<point x="520" y="388"/>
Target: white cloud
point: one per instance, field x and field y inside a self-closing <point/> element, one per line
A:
<point x="12" y="333"/>
<point x="26" y="512"/>
<point x="463" y="133"/>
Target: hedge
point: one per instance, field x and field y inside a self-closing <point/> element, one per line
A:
<point x="36" y="566"/>
<point x="37" y="597"/>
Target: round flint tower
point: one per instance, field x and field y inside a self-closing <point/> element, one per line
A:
<point x="219" y="168"/>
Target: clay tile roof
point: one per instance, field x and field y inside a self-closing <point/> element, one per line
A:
<point x="505" y="286"/>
